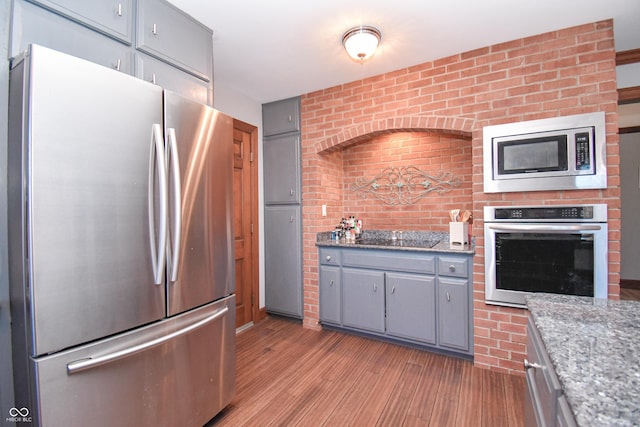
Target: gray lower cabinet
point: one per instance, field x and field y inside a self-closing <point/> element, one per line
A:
<point x="283" y="260"/>
<point x="411" y="306"/>
<point x="545" y="404"/>
<point x="420" y="297"/>
<point x="363" y="299"/>
<point x="453" y="313"/>
<point x="330" y="289"/>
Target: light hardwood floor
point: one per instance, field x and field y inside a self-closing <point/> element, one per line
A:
<point x="291" y="376"/>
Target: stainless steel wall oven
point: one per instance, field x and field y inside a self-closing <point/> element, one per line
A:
<point x="555" y="249"/>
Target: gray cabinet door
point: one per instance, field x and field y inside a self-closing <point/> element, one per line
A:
<point x="283" y="260"/>
<point x="163" y="74"/>
<point x="33" y="24"/>
<point x="453" y="313"/>
<point x="173" y="36"/>
<point x="330" y="294"/>
<point x="363" y="299"/>
<point x="411" y="306"/>
<point x="113" y="18"/>
<point x="281" y="116"/>
<point x="282" y="169"/>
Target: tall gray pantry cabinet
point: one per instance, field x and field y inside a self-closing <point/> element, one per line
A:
<point x="283" y="207"/>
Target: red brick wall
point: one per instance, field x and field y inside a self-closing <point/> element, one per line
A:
<point x="429" y="152"/>
<point x="564" y="72"/>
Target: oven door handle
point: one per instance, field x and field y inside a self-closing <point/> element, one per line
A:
<point x="547" y="228"/>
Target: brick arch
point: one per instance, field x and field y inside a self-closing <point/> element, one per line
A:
<point x="352" y="135"/>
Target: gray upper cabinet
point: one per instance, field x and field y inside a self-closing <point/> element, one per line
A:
<point x="173" y="36"/>
<point x="111" y="17"/>
<point x="282" y="169"/>
<point x="281" y="117"/>
<point x="163" y="74"/>
<point x="33" y="24"/>
<point x="178" y="57"/>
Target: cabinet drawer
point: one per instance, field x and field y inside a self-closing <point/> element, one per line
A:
<point x="453" y="266"/>
<point x="113" y="17"/>
<point x="281" y="116"/>
<point x="405" y="262"/>
<point x="173" y="36"/>
<point x="329" y="256"/>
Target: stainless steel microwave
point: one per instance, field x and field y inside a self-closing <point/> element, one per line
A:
<point x="562" y="153"/>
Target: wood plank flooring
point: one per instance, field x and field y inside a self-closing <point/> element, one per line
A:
<point x="291" y="376"/>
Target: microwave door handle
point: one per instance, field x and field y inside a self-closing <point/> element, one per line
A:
<point x="547" y="228"/>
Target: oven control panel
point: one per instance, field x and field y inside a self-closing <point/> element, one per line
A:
<point x="545" y="212"/>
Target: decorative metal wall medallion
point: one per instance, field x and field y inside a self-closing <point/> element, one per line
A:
<point x="404" y="185"/>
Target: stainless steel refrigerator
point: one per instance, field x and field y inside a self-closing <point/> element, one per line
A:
<point x="121" y="248"/>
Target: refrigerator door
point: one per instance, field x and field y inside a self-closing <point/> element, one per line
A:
<point x="86" y="152"/>
<point x="178" y="372"/>
<point x="200" y="262"/>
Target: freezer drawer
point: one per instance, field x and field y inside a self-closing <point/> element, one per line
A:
<point x="180" y="371"/>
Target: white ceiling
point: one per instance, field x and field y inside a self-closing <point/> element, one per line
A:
<point x="270" y="50"/>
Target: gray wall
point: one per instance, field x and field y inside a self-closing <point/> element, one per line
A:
<point x="6" y="378"/>
<point x="630" y="197"/>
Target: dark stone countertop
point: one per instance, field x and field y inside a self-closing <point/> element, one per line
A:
<point x="594" y="346"/>
<point x="426" y="241"/>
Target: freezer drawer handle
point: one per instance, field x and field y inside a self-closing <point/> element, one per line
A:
<point x="156" y="158"/>
<point x="92" y="362"/>
<point x="174" y="164"/>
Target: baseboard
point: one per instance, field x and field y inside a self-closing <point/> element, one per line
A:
<point x="630" y="284"/>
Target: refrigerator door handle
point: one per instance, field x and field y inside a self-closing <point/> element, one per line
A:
<point x="174" y="164"/>
<point x="93" y="362"/>
<point x="159" y="242"/>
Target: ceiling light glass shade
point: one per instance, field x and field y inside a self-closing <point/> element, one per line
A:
<point x="361" y="42"/>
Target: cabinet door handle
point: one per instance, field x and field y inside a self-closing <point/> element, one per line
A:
<point x="290" y="118"/>
<point x="153" y="78"/>
<point x="448" y="297"/>
<point x="375" y="288"/>
<point x="154" y="31"/>
<point x="291" y="219"/>
<point x="452" y="268"/>
<point x="291" y="191"/>
<point x="393" y="290"/>
<point x="331" y="282"/>
<point x="119" y="12"/>
<point x="117" y="66"/>
<point x="532" y="365"/>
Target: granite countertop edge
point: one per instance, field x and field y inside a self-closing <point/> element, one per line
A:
<point x="594" y="347"/>
<point x="415" y="241"/>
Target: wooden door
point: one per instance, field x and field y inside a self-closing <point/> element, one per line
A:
<point x="245" y="211"/>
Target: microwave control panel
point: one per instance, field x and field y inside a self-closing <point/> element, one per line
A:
<point x="583" y="149"/>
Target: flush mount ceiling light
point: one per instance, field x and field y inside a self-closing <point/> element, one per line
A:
<point x="361" y="42"/>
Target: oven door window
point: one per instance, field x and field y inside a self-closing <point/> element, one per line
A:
<point x="545" y="262"/>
